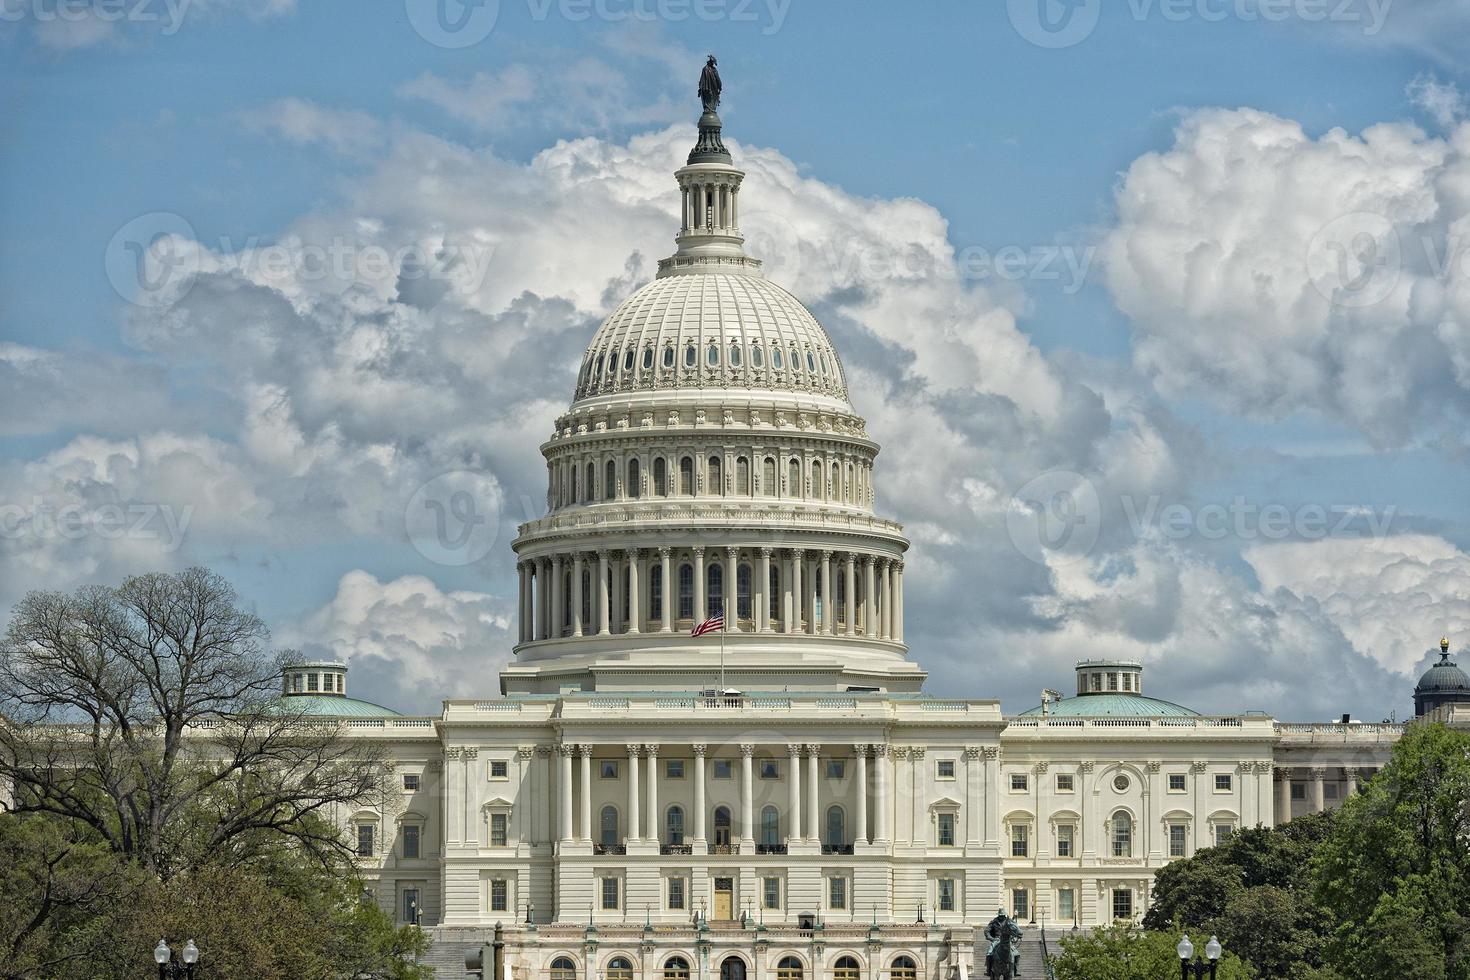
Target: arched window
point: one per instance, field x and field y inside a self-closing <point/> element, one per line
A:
<point x="566" y="599"/>
<point x="648" y="358"/>
<point x="589" y="485"/>
<point x="811" y="362"/>
<point x="773" y="594"/>
<point x="690" y="356"/>
<point x="635" y="480"/>
<point x="770" y="826"/>
<point x="742" y="476"/>
<point x="572" y="499"/>
<point x="793" y="478"/>
<point x="676" y="968"/>
<point x="601" y="359"/>
<point x="562" y="968"/>
<point x="789" y="968"/>
<point x="817" y="480"/>
<point x="675" y="825"/>
<point x="903" y="968"/>
<point x="712" y="355"/>
<point x="742" y="592"/>
<point x="757" y="357"/>
<point x="846" y="968"/>
<point x="795" y="360"/>
<point x="715" y="480"/>
<point x="836" y="829"/>
<point x="587" y="600"/>
<point x="619" y="968"/>
<point x="715" y="590"/>
<point x="835" y="486"/>
<point x="686" y="476"/>
<point x="610" y="480"/>
<point x="656" y="593"/>
<point x="660" y="477"/>
<point x="851" y="497"/>
<point x="839" y="590"/>
<point x="735" y="355"/>
<point x="732" y="968"/>
<point x="1122" y="828"/>
<point x="686" y="591"/>
<point x="722" y="826"/>
<point x="768" y="477"/>
<point x="628" y="361"/>
<point x="608" y="825"/>
<point x="776" y="358"/>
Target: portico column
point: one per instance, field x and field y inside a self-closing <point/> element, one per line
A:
<point x="870" y="621"/>
<point x="631" y="831"/>
<point x="700" y="614"/>
<point x="851" y="595"/>
<point x="885" y="610"/>
<point x="564" y="765"/>
<point x="747" y="793"/>
<point x="1319" y="801"/>
<point x="732" y="573"/>
<point x="992" y="792"/>
<point x="699" y="749"/>
<point x="898" y="601"/>
<point x="619" y="584"/>
<point x="972" y="794"/>
<point x="651" y="753"/>
<point x="1351" y="775"/>
<point x="604" y="621"/>
<point x="793" y="801"/>
<point x="577" y="594"/>
<point x="829" y="607"/>
<point x="786" y="600"/>
<point x="635" y="595"/>
<point x="884" y="803"/>
<point x="797" y="557"/>
<point x="1281" y="786"/>
<point x="558" y="603"/>
<point x="763" y="607"/>
<point x="666" y="588"/>
<point x="585" y="751"/>
<point x="860" y="753"/>
<point x="543" y="599"/>
<point x="810" y="571"/>
<point x="814" y="809"/>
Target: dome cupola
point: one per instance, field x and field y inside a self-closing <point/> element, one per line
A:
<point x="1444" y="683"/>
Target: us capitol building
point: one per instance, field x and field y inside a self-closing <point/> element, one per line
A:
<point x="783" y="800"/>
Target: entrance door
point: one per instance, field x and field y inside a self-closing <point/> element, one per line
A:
<point x="724" y="899"/>
<point x="722" y="829"/>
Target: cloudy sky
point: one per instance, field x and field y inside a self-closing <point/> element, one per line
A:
<point x="1161" y="310"/>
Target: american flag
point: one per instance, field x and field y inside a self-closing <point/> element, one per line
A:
<point x="708" y="626"/>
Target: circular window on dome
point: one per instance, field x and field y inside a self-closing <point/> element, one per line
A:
<point x="757" y="358"/>
<point x="776" y="358"/>
<point x="1121" y="783"/>
<point x="734" y="355"/>
<point x="712" y="355"/>
<point x="690" y="357"/>
<point x="668" y="357"/>
<point x="648" y="358"/>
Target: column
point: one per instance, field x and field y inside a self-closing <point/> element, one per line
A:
<point x="860" y="755"/>
<point x="635" y="594"/>
<point x="991" y="755"/>
<point x="884" y="803"/>
<point x="1154" y="805"/>
<point x="972" y="795"/>
<point x="524" y="568"/>
<point x="793" y="798"/>
<point x="885" y="611"/>
<point x="699" y="611"/>
<point x="797" y="557"/>
<point x="619" y="586"/>
<point x="699" y="807"/>
<point x="651" y="752"/>
<point x="851" y="594"/>
<point x="814" y="809"/>
<point x="763" y="609"/>
<point x="577" y="594"/>
<point x="604" y="621"/>
<point x="1350" y="774"/>
<point x="564" y="765"/>
<point x="585" y="751"/>
<point x="543" y="599"/>
<point x="898" y="602"/>
<point x="747" y="794"/>
<point x="666" y="586"/>
<point x="1319" y="801"/>
<point x="732" y="573"/>
<point x="870" y="621"/>
<point x="786" y="600"/>
<point x="630" y="832"/>
<point x="557" y="600"/>
<point x="916" y="773"/>
<point x="809" y="573"/>
<point x="829" y="608"/>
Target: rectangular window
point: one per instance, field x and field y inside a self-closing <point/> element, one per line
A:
<point x="1176" y="782"/>
<point x="411" y="781"/>
<point x="608" y="769"/>
<point x="1298" y="791"/>
<point x="498" y="834"/>
<point x="1066" y="907"/>
<point x="1224" y="782"/>
<point x="1122" y="903"/>
<point x="499" y="769"/>
<point x="946" y="894"/>
<point x="1021" y="903"/>
<point x="1065" y="834"/>
<point x="1177" y="840"/>
<point x="365" y="840"/>
<point x="1065" y="782"/>
<point x="1329" y="791"/>
<point x="411" y="910"/>
<point x="674" y="769"/>
<point x="944" y="769"/>
<point x="837" y="892"/>
<point x="1112" y="681"/>
<point x="410" y="840"/>
<point x="1097" y="682"/>
<point x="499" y="895"/>
<point x="311" y="682"/>
<point x="1019" y="782"/>
<point x="1223" y="833"/>
<point x="722" y="768"/>
<point x="946" y="830"/>
<point x="676" y="893"/>
<point x="1019" y="842"/>
<point x="610" y="893"/>
<point x="770" y="893"/>
<point x="836" y="768"/>
<point x="770" y="769"/>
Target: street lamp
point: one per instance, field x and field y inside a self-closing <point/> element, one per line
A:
<point x="1200" y="967"/>
<point x="168" y="969"/>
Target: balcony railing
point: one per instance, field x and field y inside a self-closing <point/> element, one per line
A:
<point x="676" y="849"/>
<point x="609" y="848"/>
<point x="836" y="848"/>
<point x="770" y="848"/>
<point x="724" y="848"/>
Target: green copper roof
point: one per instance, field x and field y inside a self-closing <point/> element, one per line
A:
<point x="334" y="706"/>
<point x="1114" y="705"/>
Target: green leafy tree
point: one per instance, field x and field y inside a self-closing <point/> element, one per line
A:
<point x="1129" y="953"/>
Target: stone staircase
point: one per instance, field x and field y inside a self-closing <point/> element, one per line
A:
<point x="1032" y="967"/>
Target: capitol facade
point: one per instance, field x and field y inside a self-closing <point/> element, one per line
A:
<point x="780" y="799"/>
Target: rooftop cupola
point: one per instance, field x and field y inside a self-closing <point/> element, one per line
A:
<point x="1443" y="683"/>
<point x="1109" y="677"/>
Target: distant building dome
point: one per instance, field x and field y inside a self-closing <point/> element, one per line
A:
<point x="319" y="688"/>
<point x="1109" y="688"/>
<point x="1444" y="683"/>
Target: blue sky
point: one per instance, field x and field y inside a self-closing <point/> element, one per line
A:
<point x="257" y="120"/>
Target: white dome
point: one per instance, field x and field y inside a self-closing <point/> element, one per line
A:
<point x="710" y="329"/>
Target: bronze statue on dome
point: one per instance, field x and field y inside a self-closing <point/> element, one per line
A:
<point x="709" y="85"/>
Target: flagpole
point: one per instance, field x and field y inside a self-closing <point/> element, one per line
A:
<point x="722" y="657"/>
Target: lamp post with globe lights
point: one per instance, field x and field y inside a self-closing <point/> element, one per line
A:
<point x="171" y="969"/>
<point x="1202" y="966"/>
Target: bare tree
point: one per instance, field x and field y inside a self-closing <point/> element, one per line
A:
<point x="151" y="713"/>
